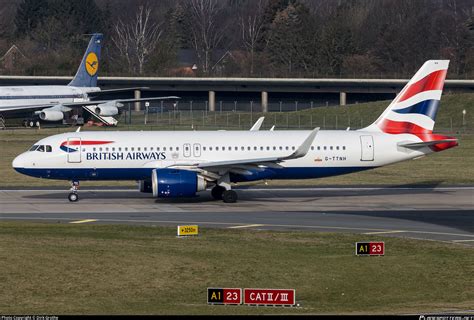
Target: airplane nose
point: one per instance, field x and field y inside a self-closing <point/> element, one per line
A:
<point x="19" y="162"/>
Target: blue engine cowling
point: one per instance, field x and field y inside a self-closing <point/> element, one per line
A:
<point x="173" y="183"/>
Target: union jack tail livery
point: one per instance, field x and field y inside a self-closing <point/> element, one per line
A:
<point x="414" y="109"/>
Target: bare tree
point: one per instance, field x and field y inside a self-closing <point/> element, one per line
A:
<point x="251" y="28"/>
<point x="207" y="34"/>
<point x="137" y="40"/>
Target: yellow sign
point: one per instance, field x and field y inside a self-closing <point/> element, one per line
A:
<point x="188" y="230"/>
<point x="92" y="64"/>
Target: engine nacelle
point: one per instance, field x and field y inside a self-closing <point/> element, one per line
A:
<point x="145" y="186"/>
<point x="173" y="183"/>
<point x="51" y="115"/>
<point x="106" y="111"/>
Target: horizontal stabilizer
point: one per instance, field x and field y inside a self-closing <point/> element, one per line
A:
<point x="425" y="144"/>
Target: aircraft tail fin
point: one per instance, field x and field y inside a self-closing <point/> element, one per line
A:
<point x="414" y="109"/>
<point x="86" y="75"/>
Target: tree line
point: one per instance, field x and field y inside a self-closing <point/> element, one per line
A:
<point x="241" y="38"/>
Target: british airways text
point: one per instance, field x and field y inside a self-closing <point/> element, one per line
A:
<point x="125" y="156"/>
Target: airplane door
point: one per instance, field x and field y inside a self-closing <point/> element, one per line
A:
<point x="197" y="150"/>
<point x="74" y="150"/>
<point x="187" y="150"/>
<point x="367" y="148"/>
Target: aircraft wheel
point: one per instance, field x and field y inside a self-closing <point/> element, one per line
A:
<point x="31" y="123"/>
<point x="217" y="192"/>
<point x="37" y="124"/>
<point x="73" y="197"/>
<point x="229" y="196"/>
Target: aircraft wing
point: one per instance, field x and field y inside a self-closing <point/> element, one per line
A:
<point x="83" y="103"/>
<point x="98" y="93"/>
<point x="96" y="102"/>
<point x="243" y="166"/>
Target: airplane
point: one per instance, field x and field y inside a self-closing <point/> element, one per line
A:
<point x="172" y="164"/>
<point x="50" y="103"/>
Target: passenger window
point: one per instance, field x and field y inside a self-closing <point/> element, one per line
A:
<point x="100" y="149"/>
<point x="286" y="148"/>
<point x="217" y="148"/>
<point x="281" y="148"/>
<point x="255" y="148"/>
<point x="210" y="148"/>
<point x="319" y="148"/>
<point x="268" y="148"/>
<point x="164" y="148"/>
<point x="248" y="148"/>
<point x="120" y="149"/>
<point x="236" y="148"/>
<point x="157" y="148"/>
<point x="330" y="148"/>
<point x="49" y="149"/>
<point x="337" y="148"/>
<point x="126" y="148"/>
<point x="229" y="148"/>
<point x="324" y="147"/>
<point x="274" y="148"/>
<point x="203" y="148"/>
<point x="293" y="148"/>
<point x="177" y="148"/>
<point x="138" y="149"/>
<point x="312" y="147"/>
<point x="151" y="148"/>
<point x="343" y="147"/>
<point x="144" y="149"/>
<point x="261" y="148"/>
<point x="171" y="148"/>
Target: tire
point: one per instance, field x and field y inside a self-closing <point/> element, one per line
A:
<point x="217" y="192"/>
<point x="229" y="196"/>
<point x="37" y="124"/>
<point x="73" y="197"/>
<point x="31" y="124"/>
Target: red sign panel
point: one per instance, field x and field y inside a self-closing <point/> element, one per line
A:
<point x="269" y="297"/>
<point x="377" y="248"/>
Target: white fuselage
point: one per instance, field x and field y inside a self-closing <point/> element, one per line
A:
<point x="133" y="155"/>
<point x="22" y="96"/>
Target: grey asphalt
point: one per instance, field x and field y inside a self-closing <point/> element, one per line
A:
<point x="438" y="213"/>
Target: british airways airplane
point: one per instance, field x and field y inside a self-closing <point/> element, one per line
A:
<point x="50" y="103"/>
<point x="180" y="164"/>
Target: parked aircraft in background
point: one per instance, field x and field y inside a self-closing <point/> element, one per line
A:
<point x="50" y="103"/>
<point x="180" y="164"/>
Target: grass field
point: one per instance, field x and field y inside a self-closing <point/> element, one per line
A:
<point x="453" y="166"/>
<point x="92" y="269"/>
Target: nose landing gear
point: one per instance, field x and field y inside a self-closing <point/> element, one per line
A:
<point x="73" y="196"/>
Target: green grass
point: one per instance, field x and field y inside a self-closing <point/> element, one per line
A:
<point x="453" y="166"/>
<point x="65" y="269"/>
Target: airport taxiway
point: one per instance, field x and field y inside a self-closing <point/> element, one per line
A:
<point x="439" y="213"/>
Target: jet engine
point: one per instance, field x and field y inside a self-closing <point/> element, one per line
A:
<point x="51" y="115"/>
<point x="173" y="183"/>
<point x="106" y="111"/>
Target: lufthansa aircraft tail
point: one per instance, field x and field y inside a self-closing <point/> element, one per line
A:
<point x="86" y="75"/>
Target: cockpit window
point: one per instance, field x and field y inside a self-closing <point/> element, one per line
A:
<point x="33" y="148"/>
<point x="49" y="149"/>
<point x="40" y="148"/>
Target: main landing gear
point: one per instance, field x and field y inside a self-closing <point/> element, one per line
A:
<point x="73" y="196"/>
<point x="223" y="192"/>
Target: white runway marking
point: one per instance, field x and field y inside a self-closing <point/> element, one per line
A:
<point x="83" y="221"/>
<point x="385" y="232"/>
<point x="247" y="226"/>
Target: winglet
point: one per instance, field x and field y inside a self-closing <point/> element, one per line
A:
<point x="272" y="128"/>
<point x="257" y="124"/>
<point x="304" y="147"/>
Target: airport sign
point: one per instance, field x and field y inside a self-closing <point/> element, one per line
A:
<point x="189" y="230"/>
<point x="370" y="248"/>
<point x="273" y="297"/>
<point x="224" y="296"/>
